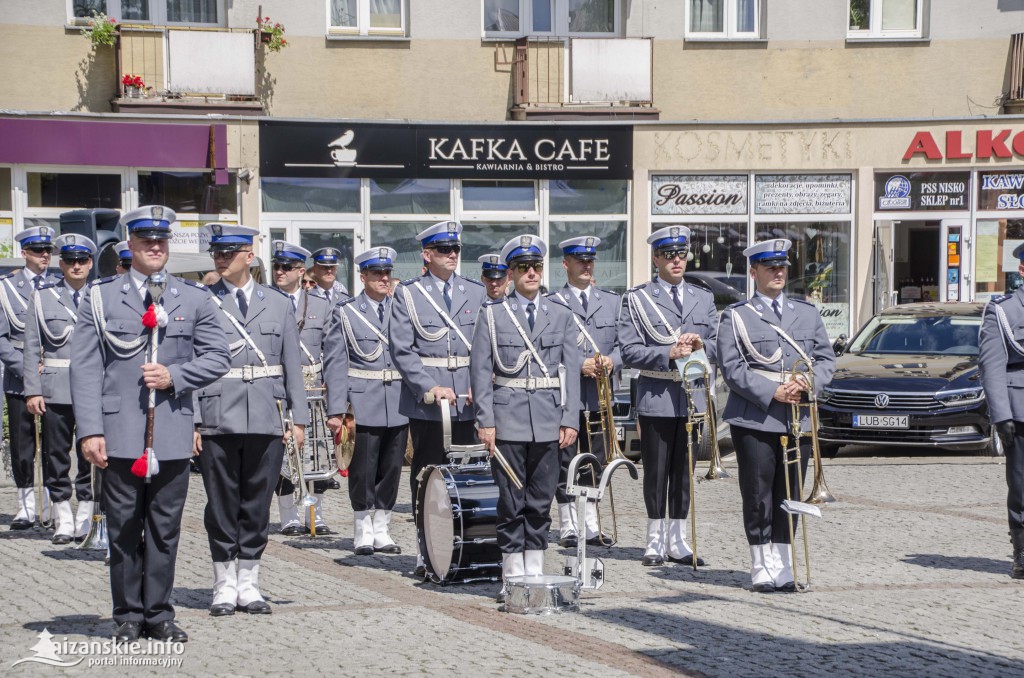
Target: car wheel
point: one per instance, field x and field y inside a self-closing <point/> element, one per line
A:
<point x="994" y="447"/>
<point x="703" y="451"/>
<point x="828" y="451"/>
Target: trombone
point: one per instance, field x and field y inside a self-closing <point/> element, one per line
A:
<point x="701" y="420"/>
<point x="39" y="481"/>
<point x="605" y="427"/>
<point x="296" y="471"/>
<point x="96" y="539"/>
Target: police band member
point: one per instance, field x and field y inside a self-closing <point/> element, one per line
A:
<point x="108" y="354"/>
<point x="494" y="275"/>
<point x="324" y="272"/>
<point x="1001" y="358"/>
<point x="124" y="257"/>
<point x="240" y="419"/>
<point x="526" y="397"/>
<point x="360" y="371"/>
<point x="431" y="328"/>
<point x="51" y="318"/>
<point x="312" y="313"/>
<point x="758" y="343"/>
<point x="663" y="321"/>
<point x="15" y="291"/>
<point x="595" y="312"/>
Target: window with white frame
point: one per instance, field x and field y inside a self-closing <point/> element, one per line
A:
<point x="886" y="18"/>
<point x="157" y="12"/>
<point x="516" y="18"/>
<point x="723" y="19"/>
<point x="6" y="212"/>
<point x="366" y="17"/>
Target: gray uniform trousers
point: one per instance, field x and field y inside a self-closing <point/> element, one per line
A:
<point x="1001" y="358"/>
<point x="526" y="422"/>
<point x="143" y="519"/>
<point x="757" y="420"/>
<point x="241" y="424"/>
<point x="662" y="405"/>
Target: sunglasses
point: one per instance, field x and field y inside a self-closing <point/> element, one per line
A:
<point x="672" y="254"/>
<point x="39" y="250"/>
<point x="448" y="249"/>
<point x="524" y="267"/>
<point x="287" y="267"/>
<point x="73" y="261"/>
<point x="224" y="255"/>
<point x="309" y="283"/>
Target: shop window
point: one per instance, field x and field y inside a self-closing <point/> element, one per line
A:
<point x="996" y="270"/>
<point x="367" y="17"/>
<point x="188" y="192"/>
<point x="611" y="270"/>
<point x="716" y="260"/>
<point x="723" y="19"/>
<point x="499" y="196"/>
<point x="278" y="234"/>
<point x="582" y="196"/>
<point x="886" y="18"/>
<point x="310" y="195"/>
<point x="410" y="196"/>
<point x="515" y="18"/>
<point x="160" y="12"/>
<point x="6" y="203"/>
<point x="401" y="236"/>
<point x="74" y="191"/>
<point x="313" y="240"/>
<point x="480" y="238"/>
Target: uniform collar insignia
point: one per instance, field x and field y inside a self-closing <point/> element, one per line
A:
<point x="429" y="288"/>
<point x="362" y="307"/>
<point x="515" y="307"/>
<point x="461" y="288"/>
<point x="124" y="288"/>
<point x="259" y="293"/>
<point x="544" y="307"/>
<point x="21" y="283"/>
<point x="656" y="291"/>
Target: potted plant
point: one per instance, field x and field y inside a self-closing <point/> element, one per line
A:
<point x="271" y="33"/>
<point x="133" y="85"/>
<point x="102" y="30"/>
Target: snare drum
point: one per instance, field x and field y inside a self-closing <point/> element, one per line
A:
<point x="456" y="523"/>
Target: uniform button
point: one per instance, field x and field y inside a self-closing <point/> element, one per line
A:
<point x="588" y="321"/>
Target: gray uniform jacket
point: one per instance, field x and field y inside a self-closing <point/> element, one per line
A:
<point x="233" y="405"/>
<point x="412" y="317"/>
<point x="352" y="345"/>
<point x="599" y="322"/>
<point x="663" y="397"/>
<point x="107" y="392"/>
<point x="16" y="291"/>
<point x="49" y="334"/>
<point x="518" y="414"/>
<point x="1001" y="357"/>
<point x="751" y="403"/>
<point x="312" y="315"/>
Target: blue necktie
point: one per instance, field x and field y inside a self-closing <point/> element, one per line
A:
<point x="380" y="311"/>
<point x="75" y="297"/>
<point x="243" y="305"/>
<point x="583" y="300"/>
<point x="448" y="295"/>
<point x="776" y="308"/>
<point x="675" y="299"/>
<point x="529" y="314"/>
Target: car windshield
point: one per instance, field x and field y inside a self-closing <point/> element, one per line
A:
<point x="945" y="334"/>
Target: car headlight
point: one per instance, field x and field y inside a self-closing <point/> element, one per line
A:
<point x="960" y="397"/>
<point x="826" y="395"/>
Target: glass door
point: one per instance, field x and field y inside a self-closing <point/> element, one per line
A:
<point x="343" y="235"/>
<point x="954" y="271"/>
<point x="881" y="274"/>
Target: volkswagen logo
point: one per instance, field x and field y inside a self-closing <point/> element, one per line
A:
<point x="882" y="400"/>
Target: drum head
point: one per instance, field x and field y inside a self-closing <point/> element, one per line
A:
<point x="438" y="527"/>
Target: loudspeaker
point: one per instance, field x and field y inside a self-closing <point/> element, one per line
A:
<point x="102" y="227"/>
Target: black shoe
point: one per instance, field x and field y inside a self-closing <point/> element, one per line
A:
<point x="333" y="484"/>
<point x="295" y="530"/>
<point x="767" y="587"/>
<point x="321" y="530"/>
<point x="420" y="571"/>
<point x="651" y="561"/>
<point x="390" y="548"/>
<point x="685" y="560"/>
<point x="500" y="598"/>
<point x="602" y="540"/>
<point x="568" y="542"/>
<point x="128" y="632"/>
<point x="79" y="540"/>
<point x="21" y="524"/>
<point x="61" y="539"/>
<point x="788" y="587"/>
<point x="364" y="550"/>
<point x="1016" y="538"/>
<point x="194" y="466"/>
<point x="166" y="630"/>
<point x="222" y="610"/>
<point x="255" y="607"/>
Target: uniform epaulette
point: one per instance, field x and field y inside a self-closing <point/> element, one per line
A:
<point x="194" y="283"/>
<point x="475" y="282"/>
<point x="48" y="285"/>
<point x="737" y="303"/>
<point x="279" y="291"/>
<point x="410" y="281"/>
<point x="802" y="301"/>
<point x="101" y="281"/>
<point x="492" y="302"/>
<point x="998" y="299"/>
<point x="555" y="297"/>
<point x="344" y="302"/>
<point x="637" y="287"/>
<point x="601" y="289"/>
<point x="5" y="276"/>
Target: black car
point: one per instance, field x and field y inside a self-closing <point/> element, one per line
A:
<point x="910" y="378"/>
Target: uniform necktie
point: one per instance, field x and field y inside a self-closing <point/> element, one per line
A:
<point x="675" y="299"/>
<point x="380" y="312"/>
<point x="583" y="300"/>
<point x="529" y="314"/>
<point x="147" y="300"/>
<point x="75" y="297"/>
<point x="243" y="305"/>
<point x="776" y="308"/>
<point x="295" y="302"/>
<point x="448" y="295"/>
<point x="36" y="280"/>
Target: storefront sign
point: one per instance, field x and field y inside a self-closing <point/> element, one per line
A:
<point x="698" y="194"/>
<point x="921" y="191"/>
<point x="987" y="144"/>
<point x="1001" y="191"/>
<point x="803" y="194"/>
<point x="836" y="317"/>
<point x="318" y="149"/>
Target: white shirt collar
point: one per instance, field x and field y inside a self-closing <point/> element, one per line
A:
<point x="579" y="293"/>
<point x="246" y="289"/>
<point x="523" y="301"/>
<point x="439" y="282"/>
<point x="768" y="301"/>
<point x="667" y="286"/>
<point x="139" y="281"/>
<point x="29" y="275"/>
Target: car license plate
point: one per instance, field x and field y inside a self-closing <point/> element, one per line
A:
<point x="620" y="433"/>
<point x="881" y="421"/>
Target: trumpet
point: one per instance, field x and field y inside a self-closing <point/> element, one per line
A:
<point x="296" y="472"/>
<point x="605" y="427"/>
<point x="96" y="539"/>
<point x="39" y="481"/>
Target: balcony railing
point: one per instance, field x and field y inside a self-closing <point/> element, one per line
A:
<point x="583" y="77"/>
<point x="1015" y="97"/>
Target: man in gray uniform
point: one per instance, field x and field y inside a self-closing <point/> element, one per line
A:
<point x="526" y="396"/>
<point x="241" y="420"/>
<point x="1002" y="359"/>
<point x="325" y="272"/>
<point x="759" y="343"/>
<point x="663" y="321"/>
<point x="109" y="352"/>
<point x="359" y="371"/>
<point x="595" y="312"/>
<point x="15" y="290"/>
<point x="52" y="314"/>
<point x="124" y="257"/>
<point x="312" y="313"/>
<point x="494" y="275"/>
<point x="431" y="328"/>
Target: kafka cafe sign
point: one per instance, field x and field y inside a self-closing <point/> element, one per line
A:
<point x="317" y="149"/>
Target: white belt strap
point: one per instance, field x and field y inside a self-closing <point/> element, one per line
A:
<point x="774" y="377"/>
<point x="17" y="343"/>
<point x="526" y="339"/>
<point x="584" y="333"/>
<point x="670" y="375"/>
<point x="56" y="362"/>
<point x="444" y="316"/>
<point x="253" y="372"/>
<point x="310" y="370"/>
<point x="387" y="376"/>
<point x="529" y="383"/>
<point x="452" y="362"/>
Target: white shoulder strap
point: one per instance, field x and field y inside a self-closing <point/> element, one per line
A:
<point x="241" y="331"/>
<point x="444" y="316"/>
<point x="526" y="340"/>
<point x="1007" y="330"/>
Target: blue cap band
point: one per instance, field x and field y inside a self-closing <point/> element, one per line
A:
<point x="294" y="256"/>
<point x="668" y="242"/>
<point x="231" y="240"/>
<point x="375" y="263"/>
<point x="524" y="252"/>
<point x="45" y="239"/>
<point x="440" y="237"/>
<point x="769" y="256"/>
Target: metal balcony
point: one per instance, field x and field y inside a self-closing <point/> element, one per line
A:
<point x="1014" y="103"/>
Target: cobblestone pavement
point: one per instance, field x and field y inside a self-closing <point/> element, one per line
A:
<point x="910" y="573"/>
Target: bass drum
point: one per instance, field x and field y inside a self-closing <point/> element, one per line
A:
<point x="458" y="512"/>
